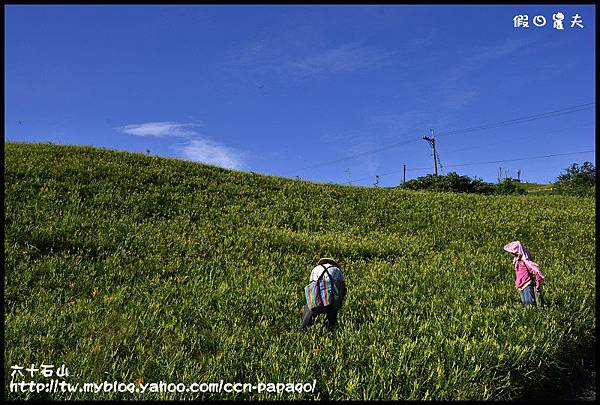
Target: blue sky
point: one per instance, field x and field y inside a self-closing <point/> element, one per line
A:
<point x="326" y="93"/>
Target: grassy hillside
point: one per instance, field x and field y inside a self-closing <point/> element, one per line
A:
<point x="536" y="188"/>
<point x="127" y="267"/>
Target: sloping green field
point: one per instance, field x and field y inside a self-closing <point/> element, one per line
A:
<point x="134" y="268"/>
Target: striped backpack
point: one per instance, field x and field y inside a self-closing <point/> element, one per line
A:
<point x="321" y="293"/>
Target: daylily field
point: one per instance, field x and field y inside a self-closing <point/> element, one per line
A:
<point x="140" y="269"/>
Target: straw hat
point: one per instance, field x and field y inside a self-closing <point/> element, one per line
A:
<point x="324" y="260"/>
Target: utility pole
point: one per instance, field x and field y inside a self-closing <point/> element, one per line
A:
<point x="432" y="142"/>
<point x="404" y="177"/>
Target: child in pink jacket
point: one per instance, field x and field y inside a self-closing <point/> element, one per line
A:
<point x="528" y="275"/>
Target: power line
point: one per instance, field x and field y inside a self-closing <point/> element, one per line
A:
<point x="585" y="124"/>
<point x="330" y="162"/>
<point x="514" y="121"/>
<point x="479" y="163"/>
<point x="519" y="159"/>
<point x="522" y="120"/>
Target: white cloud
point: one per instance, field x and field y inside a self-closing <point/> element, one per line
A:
<point x="345" y="58"/>
<point x="266" y="59"/>
<point x="160" y="129"/>
<point x="196" y="147"/>
<point x="206" y="151"/>
<point x="478" y="57"/>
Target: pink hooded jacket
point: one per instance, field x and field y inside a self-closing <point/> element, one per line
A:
<point x="524" y="257"/>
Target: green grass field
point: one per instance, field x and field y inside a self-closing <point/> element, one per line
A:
<point x="127" y="267"/>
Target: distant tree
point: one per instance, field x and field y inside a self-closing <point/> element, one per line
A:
<point x="508" y="186"/>
<point x="577" y="180"/>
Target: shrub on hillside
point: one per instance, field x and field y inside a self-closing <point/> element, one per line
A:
<point x="452" y="182"/>
<point x="577" y="180"/>
<point x="507" y="186"/>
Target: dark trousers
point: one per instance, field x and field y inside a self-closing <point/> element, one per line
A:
<point x="311" y="316"/>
